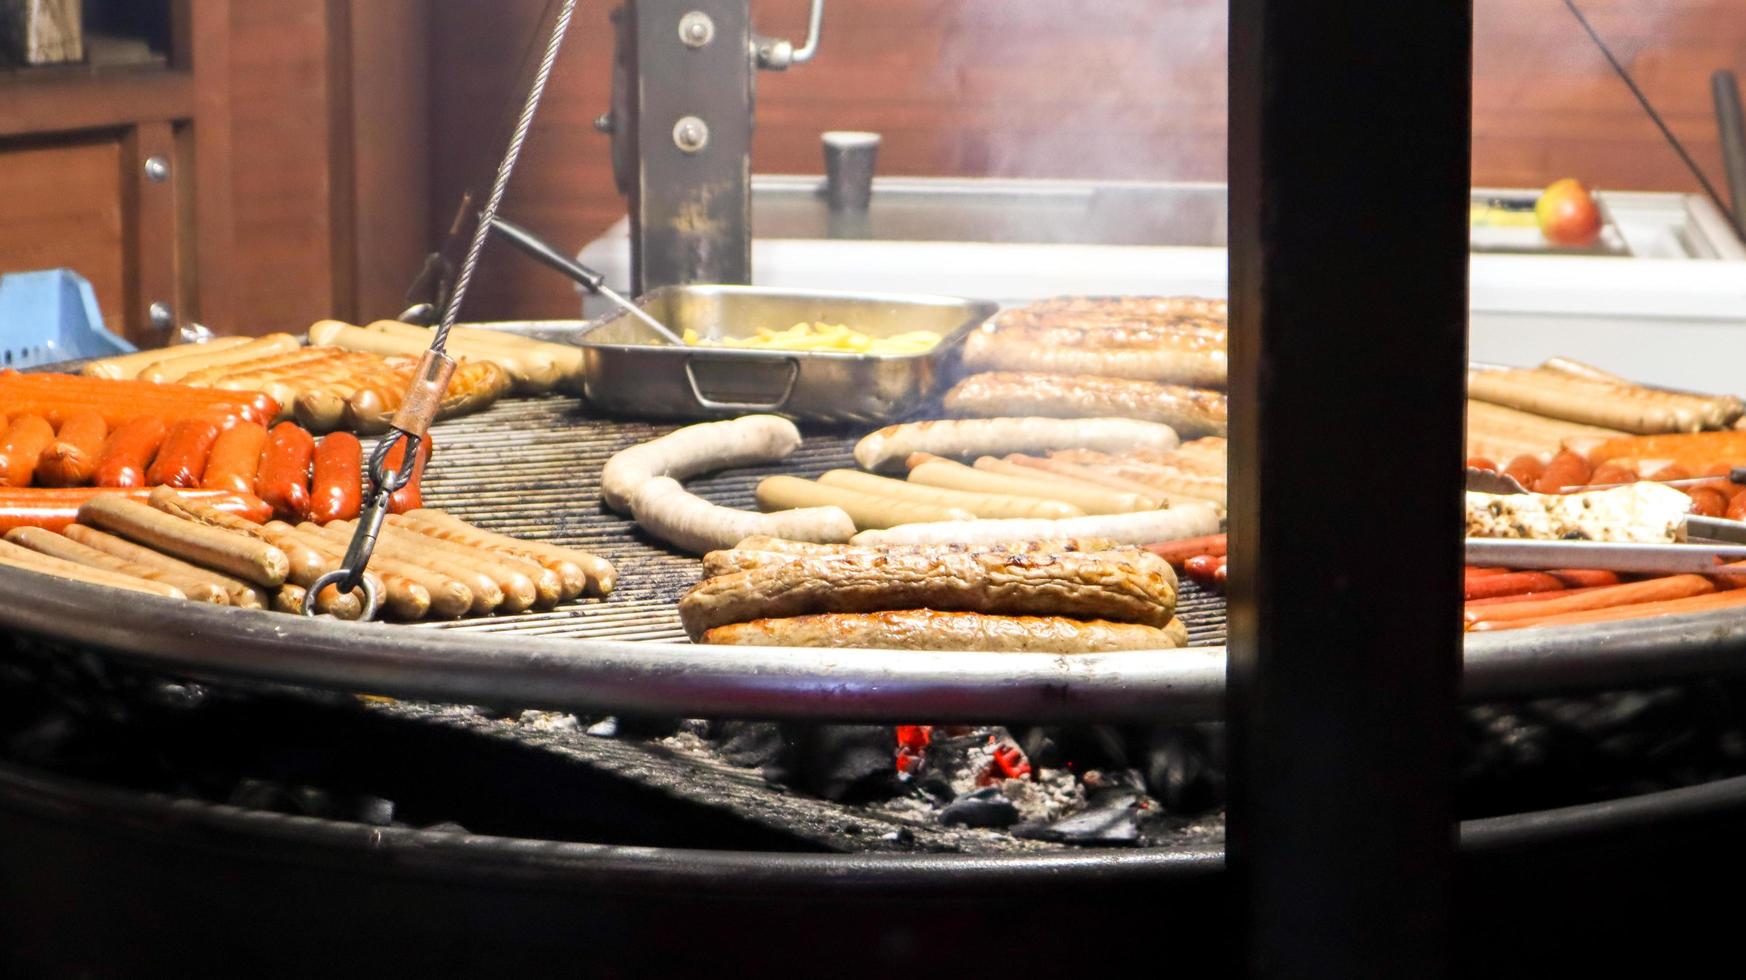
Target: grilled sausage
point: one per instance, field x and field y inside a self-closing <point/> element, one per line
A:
<point x="524" y="582"/>
<point x="977" y="504"/>
<point x="283" y="477"/>
<point x="128" y="366"/>
<point x="54" y="509"/>
<point x="578" y="570"/>
<point x="449" y="598"/>
<point x="128" y="452"/>
<point x="768" y="544"/>
<point x="71" y="460"/>
<point x="181" y="461"/>
<point x="410" y="496"/>
<point x="1190" y="411"/>
<point x="533" y="368"/>
<point x="531" y="375"/>
<point x="1590" y="401"/>
<point x="216" y="354"/>
<point x="936" y="472"/>
<point x="226" y="551"/>
<point x="67" y="549"/>
<point x="337" y="486"/>
<point x="1143" y="527"/>
<point x="1140" y="590"/>
<point x="235" y="458"/>
<point x="1170" y="483"/>
<point x="55" y="396"/>
<point x="21" y="447"/>
<point x="240" y="593"/>
<point x="488" y="592"/>
<point x="665" y="510"/>
<point x="17" y="556"/>
<point x="981" y="437"/>
<point x="323" y="556"/>
<point x="695" y="449"/>
<point x="1182" y="357"/>
<point x="779" y="493"/>
<point x="749" y="555"/>
<point x="927" y="629"/>
<point x="1052" y="481"/>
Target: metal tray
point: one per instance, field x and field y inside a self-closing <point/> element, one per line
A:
<point x="629" y="372"/>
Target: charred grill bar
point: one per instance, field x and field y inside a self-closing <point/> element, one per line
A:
<point x="1341" y="824"/>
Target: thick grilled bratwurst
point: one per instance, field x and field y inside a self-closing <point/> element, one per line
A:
<point x="1140" y="589"/>
<point x="1190" y="411"/>
<point x="925" y="629"/>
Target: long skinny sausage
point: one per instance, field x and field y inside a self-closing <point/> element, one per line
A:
<point x="980" y="437"/>
<point x="449" y="598"/>
<point x="226" y="551"/>
<point x="128" y="366"/>
<point x="1144" y="527"/>
<point x="779" y="493"/>
<point x="17" y="556"/>
<point x="67" y="549"/>
<point x="945" y="473"/>
<point x="577" y="569"/>
<point x="174" y="570"/>
<point x="218" y="353"/>
<point x="977" y="504"/>
<point x="491" y="593"/>
<point x="71" y="460"/>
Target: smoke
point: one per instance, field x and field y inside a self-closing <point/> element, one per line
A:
<point x="1097" y="89"/>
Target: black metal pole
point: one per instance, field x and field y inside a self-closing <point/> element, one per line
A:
<point x="1349" y="173"/>
<point x="1731" y="130"/>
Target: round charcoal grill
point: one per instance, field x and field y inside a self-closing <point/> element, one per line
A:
<point x="530" y="468"/>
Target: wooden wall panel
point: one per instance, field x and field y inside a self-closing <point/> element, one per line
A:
<point x="63" y="206"/>
<point x="281" y="273"/>
<point x="1057" y="88"/>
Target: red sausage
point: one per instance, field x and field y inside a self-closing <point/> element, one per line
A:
<point x="1203" y="568"/>
<point x="337" y="491"/>
<point x="283" y="478"/>
<point x="409" y="497"/>
<point x="71" y="460"/>
<point x="182" y="458"/>
<point x="21" y="447"/>
<point x="236" y="457"/>
<point x="1708" y="502"/>
<point x="1526" y="470"/>
<point x="53" y="510"/>
<point x="128" y="451"/>
<point x="1514" y="583"/>
<point x="1567" y="470"/>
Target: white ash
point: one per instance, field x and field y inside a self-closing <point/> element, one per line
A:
<point x="1053" y="793"/>
<point x="547" y="721"/>
<point x="687" y="741"/>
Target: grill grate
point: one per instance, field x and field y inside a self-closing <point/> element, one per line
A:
<point x="531" y="468"/>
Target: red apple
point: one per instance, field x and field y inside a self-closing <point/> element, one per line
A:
<point x="1567" y="214"/>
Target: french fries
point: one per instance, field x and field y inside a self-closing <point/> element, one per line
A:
<point x="824" y="337"/>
